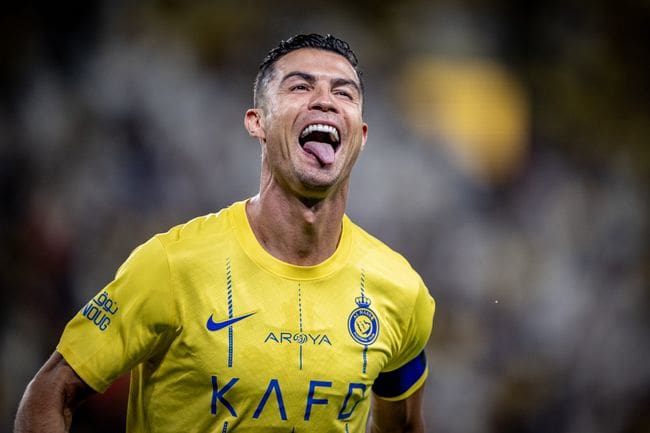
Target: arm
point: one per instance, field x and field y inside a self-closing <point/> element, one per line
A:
<point x="402" y="416"/>
<point x="50" y="398"/>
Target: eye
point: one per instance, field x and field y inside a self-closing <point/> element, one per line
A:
<point x="344" y="93"/>
<point x="299" y="88"/>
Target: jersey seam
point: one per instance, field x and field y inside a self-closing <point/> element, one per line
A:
<point x="175" y="308"/>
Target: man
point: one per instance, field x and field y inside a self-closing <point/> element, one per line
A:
<point x="274" y="314"/>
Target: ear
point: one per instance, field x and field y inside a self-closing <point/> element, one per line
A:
<point x="364" y="137"/>
<point x="254" y="123"/>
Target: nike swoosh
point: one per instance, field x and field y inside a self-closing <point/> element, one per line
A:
<point x="215" y="326"/>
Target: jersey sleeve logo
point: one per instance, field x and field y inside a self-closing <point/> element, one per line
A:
<point x="363" y="324"/>
<point x="100" y="310"/>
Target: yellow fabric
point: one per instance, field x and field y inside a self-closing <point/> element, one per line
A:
<point x="299" y="348"/>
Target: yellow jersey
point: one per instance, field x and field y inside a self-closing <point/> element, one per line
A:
<point x="220" y="336"/>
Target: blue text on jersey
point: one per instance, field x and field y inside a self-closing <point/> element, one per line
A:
<point x="356" y="392"/>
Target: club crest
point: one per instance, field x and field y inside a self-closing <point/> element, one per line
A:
<point x="363" y="324"/>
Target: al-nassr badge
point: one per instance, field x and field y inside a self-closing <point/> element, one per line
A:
<point x="363" y="324"/>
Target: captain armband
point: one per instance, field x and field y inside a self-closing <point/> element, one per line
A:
<point x="400" y="383"/>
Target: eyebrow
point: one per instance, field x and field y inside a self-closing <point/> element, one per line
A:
<point x="336" y="82"/>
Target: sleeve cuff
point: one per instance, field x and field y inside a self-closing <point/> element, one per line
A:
<point x="92" y="380"/>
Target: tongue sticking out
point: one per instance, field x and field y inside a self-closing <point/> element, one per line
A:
<point x="322" y="151"/>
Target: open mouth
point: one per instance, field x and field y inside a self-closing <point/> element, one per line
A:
<point x="320" y="140"/>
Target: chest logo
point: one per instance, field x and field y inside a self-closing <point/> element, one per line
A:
<point x="215" y="326"/>
<point x="363" y="324"/>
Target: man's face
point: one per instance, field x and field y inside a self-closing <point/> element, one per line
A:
<point x="310" y="122"/>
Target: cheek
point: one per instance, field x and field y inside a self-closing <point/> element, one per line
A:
<point x="278" y="142"/>
<point x="356" y="139"/>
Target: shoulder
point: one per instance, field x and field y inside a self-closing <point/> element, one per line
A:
<point x="197" y="227"/>
<point x="382" y="261"/>
<point x="201" y="229"/>
<point x="184" y="242"/>
<point x="398" y="294"/>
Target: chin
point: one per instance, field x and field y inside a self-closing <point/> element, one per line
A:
<point x="318" y="183"/>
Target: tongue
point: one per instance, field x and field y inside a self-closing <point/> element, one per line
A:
<point x="322" y="151"/>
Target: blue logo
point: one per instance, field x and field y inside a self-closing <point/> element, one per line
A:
<point x="300" y="338"/>
<point x="100" y="310"/>
<point x="215" y="326"/>
<point x="363" y="323"/>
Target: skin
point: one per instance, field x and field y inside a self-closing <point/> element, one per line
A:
<point x="51" y="398"/>
<point x="397" y="416"/>
<point x="296" y="216"/>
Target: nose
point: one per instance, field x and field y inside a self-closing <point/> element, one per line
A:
<point x="322" y="99"/>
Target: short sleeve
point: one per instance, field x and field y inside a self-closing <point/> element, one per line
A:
<point x="406" y="371"/>
<point x="129" y="321"/>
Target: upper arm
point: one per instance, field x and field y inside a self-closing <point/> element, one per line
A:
<point x="397" y="416"/>
<point x="51" y="397"/>
<point x="57" y="372"/>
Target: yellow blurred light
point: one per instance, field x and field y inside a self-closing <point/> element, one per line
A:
<point x="475" y="108"/>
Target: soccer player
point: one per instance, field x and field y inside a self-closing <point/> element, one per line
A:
<point x="277" y="313"/>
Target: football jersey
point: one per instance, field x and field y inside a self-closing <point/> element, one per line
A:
<point x="221" y="336"/>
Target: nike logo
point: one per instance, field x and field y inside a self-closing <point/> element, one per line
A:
<point x="215" y="326"/>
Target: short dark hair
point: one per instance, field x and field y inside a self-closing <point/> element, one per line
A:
<point x="312" y="40"/>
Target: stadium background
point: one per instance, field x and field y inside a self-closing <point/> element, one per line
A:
<point x="508" y="159"/>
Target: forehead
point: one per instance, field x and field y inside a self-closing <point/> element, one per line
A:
<point x="316" y="62"/>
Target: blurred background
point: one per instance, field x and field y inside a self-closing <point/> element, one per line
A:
<point x="508" y="159"/>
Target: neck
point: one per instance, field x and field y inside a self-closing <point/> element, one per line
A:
<point x="295" y="230"/>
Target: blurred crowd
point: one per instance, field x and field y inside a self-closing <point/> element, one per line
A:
<point x="120" y="120"/>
